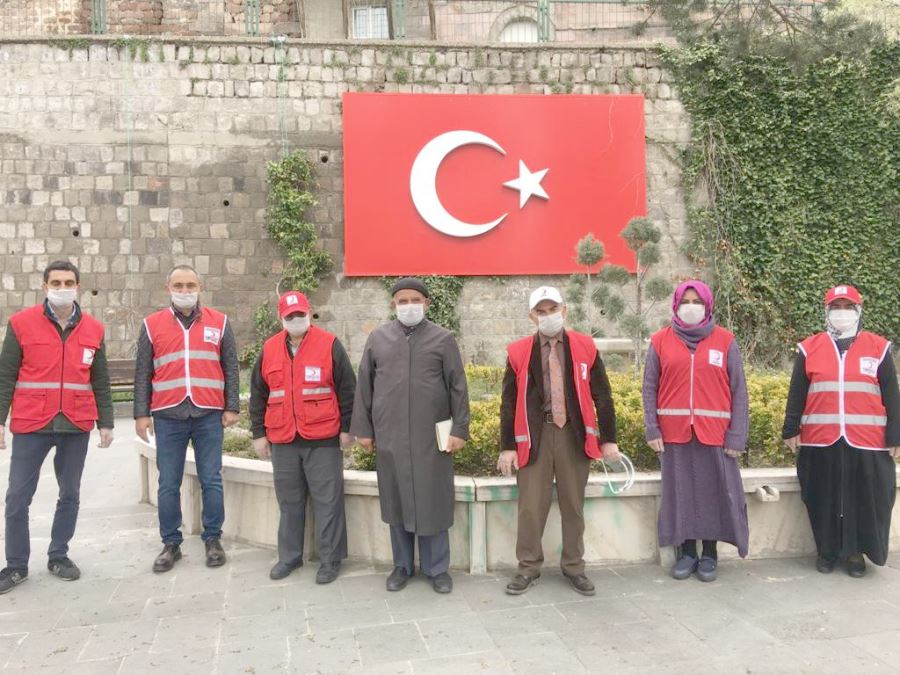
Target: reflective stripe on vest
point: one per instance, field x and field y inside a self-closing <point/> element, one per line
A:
<point x="276" y="393"/>
<point x="317" y="390"/>
<point x="868" y="420"/>
<point x="53" y="385"/>
<point x="182" y="382"/>
<point x="192" y="354"/>
<point x="834" y="385"/>
<point x="697" y="411"/>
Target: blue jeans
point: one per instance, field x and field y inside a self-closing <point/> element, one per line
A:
<point x="28" y="454"/>
<point x="205" y="435"/>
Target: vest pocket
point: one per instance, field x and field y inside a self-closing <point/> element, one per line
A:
<point x="85" y="407"/>
<point x="30" y="404"/>
<point x="274" y="413"/>
<point x="319" y="408"/>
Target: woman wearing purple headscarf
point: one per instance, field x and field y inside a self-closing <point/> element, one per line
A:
<point x="696" y="419"/>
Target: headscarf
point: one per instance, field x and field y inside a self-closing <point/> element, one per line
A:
<point x="691" y="335"/>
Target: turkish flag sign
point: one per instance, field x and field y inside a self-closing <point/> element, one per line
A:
<point x="488" y="185"/>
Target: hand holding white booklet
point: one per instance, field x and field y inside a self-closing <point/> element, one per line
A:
<point x="442" y="429"/>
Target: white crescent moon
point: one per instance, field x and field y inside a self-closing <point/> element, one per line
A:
<point x="424" y="191"/>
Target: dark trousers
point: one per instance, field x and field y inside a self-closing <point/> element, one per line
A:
<point x="558" y="456"/>
<point x="28" y="454"/>
<point x="434" y="551"/>
<point x="317" y="472"/>
<point x="172" y="436"/>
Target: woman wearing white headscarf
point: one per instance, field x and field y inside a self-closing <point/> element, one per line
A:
<point x="843" y="420"/>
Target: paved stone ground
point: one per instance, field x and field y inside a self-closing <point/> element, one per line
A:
<point x="761" y="616"/>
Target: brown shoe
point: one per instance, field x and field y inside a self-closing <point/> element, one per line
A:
<point x="521" y="583"/>
<point x="581" y="583"/>
<point x="166" y="560"/>
<point x="215" y="555"/>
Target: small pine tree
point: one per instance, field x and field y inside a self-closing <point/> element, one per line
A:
<point x="642" y="237"/>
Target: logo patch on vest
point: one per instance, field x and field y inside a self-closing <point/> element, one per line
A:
<point x="868" y="366"/>
<point x="716" y="358"/>
<point x="87" y="356"/>
<point x="584" y="371"/>
<point x="313" y="374"/>
<point x="211" y="335"/>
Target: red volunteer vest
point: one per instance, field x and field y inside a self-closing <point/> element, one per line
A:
<point x="302" y="399"/>
<point x="694" y="389"/>
<point x="844" y="396"/>
<point x="55" y="376"/>
<point x="584" y="353"/>
<point x="187" y="363"/>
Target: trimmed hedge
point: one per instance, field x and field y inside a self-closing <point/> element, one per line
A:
<point x="768" y="396"/>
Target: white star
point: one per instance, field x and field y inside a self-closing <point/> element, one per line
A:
<point x="528" y="184"/>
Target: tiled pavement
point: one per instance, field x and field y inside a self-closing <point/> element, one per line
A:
<point x="761" y="616"/>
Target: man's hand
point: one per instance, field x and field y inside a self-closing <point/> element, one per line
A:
<point x="106" y="438"/>
<point x="346" y="440"/>
<point x="657" y="445"/>
<point x="368" y="444"/>
<point x="733" y="453"/>
<point x="895" y="452"/>
<point x="230" y="418"/>
<point x="454" y="444"/>
<point x="610" y="452"/>
<point x="508" y="460"/>
<point x="2" y="437"/>
<point x="143" y="427"/>
<point x="262" y="448"/>
<point x="793" y="443"/>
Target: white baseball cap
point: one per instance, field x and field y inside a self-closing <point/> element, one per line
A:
<point x="544" y="293"/>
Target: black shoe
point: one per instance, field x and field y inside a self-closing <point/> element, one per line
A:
<point x="521" y="583"/>
<point x="706" y="568"/>
<point x="581" y="583"/>
<point x="397" y="580"/>
<point x="442" y="583"/>
<point x="856" y="566"/>
<point x="166" y="560"/>
<point x="825" y="564"/>
<point x="281" y="570"/>
<point x="328" y="572"/>
<point x="10" y="577"/>
<point x="64" y="568"/>
<point x="215" y="555"/>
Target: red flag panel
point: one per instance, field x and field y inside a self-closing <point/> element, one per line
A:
<point x="486" y="184"/>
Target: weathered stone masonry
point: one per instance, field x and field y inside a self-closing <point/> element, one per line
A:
<point x="130" y="158"/>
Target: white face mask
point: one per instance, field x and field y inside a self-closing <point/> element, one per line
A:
<point x="411" y="314"/>
<point x="691" y="314"/>
<point x="296" y="326"/>
<point x="185" y="300"/>
<point x="550" y="324"/>
<point x="63" y="298"/>
<point x="844" y="320"/>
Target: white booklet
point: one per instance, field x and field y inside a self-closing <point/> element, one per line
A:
<point x="442" y="429"/>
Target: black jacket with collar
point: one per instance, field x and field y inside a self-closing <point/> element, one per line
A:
<point x="534" y="400"/>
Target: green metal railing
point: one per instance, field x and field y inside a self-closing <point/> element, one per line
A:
<point x="251" y="17"/>
<point x="98" y="16"/>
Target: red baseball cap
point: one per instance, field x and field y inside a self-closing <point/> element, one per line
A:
<point x="292" y="302"/>
<point x="846" y="292"/>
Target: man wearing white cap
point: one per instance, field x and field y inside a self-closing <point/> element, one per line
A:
<point x="301" y="400"/>
<point x="556" y="415"/>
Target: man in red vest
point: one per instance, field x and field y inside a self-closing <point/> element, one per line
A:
<point x="186" y="390"/>
<point x="556" y="415"/>
<point x="53" y="372"/>
<point x="301" y="401"/>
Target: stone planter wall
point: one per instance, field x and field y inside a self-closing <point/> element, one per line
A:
<point x="619" y="529"/>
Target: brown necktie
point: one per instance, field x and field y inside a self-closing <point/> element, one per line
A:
<point x="557" y="397"/>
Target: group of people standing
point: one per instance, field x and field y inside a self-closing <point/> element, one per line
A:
<point x="557" y="414"/>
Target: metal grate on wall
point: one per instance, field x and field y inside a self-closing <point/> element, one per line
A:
<point x="470" y="21"/>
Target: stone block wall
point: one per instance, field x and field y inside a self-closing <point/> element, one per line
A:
<point x="128" y="167"/>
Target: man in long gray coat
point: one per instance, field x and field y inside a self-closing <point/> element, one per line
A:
<point x="411" y="377"/>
